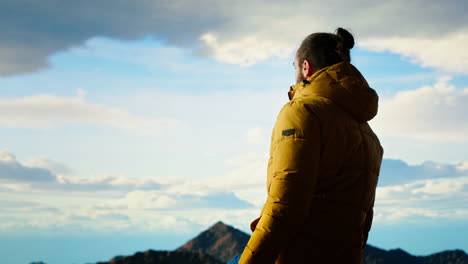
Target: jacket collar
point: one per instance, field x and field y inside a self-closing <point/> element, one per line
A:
<point x="343" y="84"/>
<point x="297" y="88"/>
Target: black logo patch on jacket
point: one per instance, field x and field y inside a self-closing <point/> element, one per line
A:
<point x="288" y="132"/>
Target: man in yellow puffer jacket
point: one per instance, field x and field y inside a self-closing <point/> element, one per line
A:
<point x="324" y="163"/>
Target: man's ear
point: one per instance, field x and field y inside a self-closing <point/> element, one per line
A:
<point x="307" y="69"/>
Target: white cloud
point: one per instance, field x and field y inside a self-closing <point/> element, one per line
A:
<point x="431" y="112"/>
<point x="84" y="221"/>
<point x="424" y="192"/>
<point x="247" y="178"/>
<point x="46" y="111"/>
<point x="442" y="186"/>
<point x="168" y="223"/>
<point x="463" y="166"/>
<point x="446" y="52"/>
<point x="47" y="164"/>
<point x="119" y="183"/>
<point x="245" y="51"/>
<point x="165" y="199"/>
<point x="443" y="198"/>
<point x="143" y="200"/>
<point x="7" y="157"/>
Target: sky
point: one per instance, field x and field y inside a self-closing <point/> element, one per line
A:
<point x="129" y="125"/>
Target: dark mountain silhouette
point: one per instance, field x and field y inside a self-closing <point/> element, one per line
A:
<point x="373" y="255"/>
<point x="221" y="242"/>
<point x="447" y="257"/>
<point x="165" y="257"/>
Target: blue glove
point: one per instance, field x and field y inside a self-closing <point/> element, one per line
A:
<point x="234" y="260"/>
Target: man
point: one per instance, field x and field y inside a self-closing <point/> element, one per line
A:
<point x="324" y="162"/>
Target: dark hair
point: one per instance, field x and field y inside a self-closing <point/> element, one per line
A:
<point x="325" y="49"/>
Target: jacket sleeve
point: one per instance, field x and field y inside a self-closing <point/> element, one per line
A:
<point x="367" y="225"/>
<point x="295" y="158"/>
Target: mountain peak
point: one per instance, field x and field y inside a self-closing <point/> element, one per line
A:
<point x="219" y="240"/>
<point x="220" y="227"/>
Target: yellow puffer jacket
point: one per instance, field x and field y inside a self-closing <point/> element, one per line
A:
<point x="322" y="173"/>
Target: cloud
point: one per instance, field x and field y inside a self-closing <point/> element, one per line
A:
<point x="11" y="170"/>
<point x="106" y="203"/>
<point x="103" y="183"/>
<point x="248" y="171"/>
<point x="446" y="52"/>
<point x="34" y="30"/>
<point x="46" y="111"/>
<point x="79" y="224"/>
<point x="246" y="51"/>
<point x="47" y="164"/>
<point x="463" y="166"/>
<point x="244" y="32"/>
<point x="168" y="223"/>
<point x="430" y="112"/>
<point x="142" y="200"/>
<point x="162" y="199"/>
<point x="427" y="200"/>
<point x="420" y="193"/>
<point x="440" y="186"/>
<point x="139" y="193"/>
<point x="394" y="172"/>
<point x="20" y="177"/>
<point x="27" y="207"/>
<point x="109" y="203"/>
<point x="415" y="193"/>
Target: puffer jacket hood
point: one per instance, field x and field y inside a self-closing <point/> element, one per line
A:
<point x="343" y="84"/>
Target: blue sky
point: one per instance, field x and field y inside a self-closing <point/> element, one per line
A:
<point x="140" y="125"/>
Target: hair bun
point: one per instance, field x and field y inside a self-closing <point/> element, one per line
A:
<point x="345" y="39"/>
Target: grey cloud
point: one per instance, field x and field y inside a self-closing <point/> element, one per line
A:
<point x="79" y="218"/>
<point x="26" y="206"/>
<point x="217" y="200"/>
<point x="115" y="216"/>
<point x="162" y="200"/>
<point x="17" y="172"/>
<point x="47" y="209"/>
<point x="18" y="204"/>
<point x="13" y="171"/>
<point x="409" y="18"/>
<point x="394" y="171"/>
<point x="104" y="184"/>
<point x="33" y="30"/>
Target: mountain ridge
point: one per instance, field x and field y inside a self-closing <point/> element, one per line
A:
<point x="221" y="242"/>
